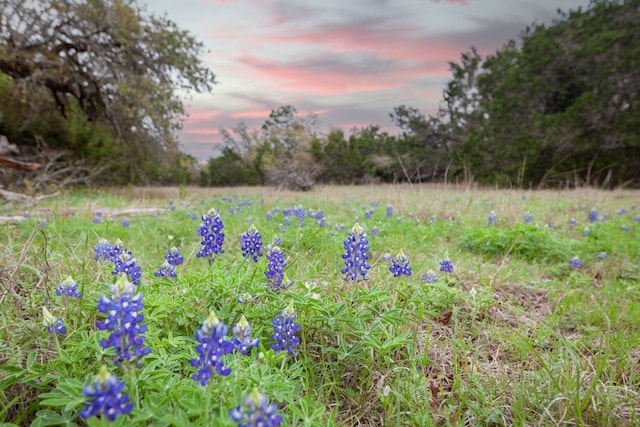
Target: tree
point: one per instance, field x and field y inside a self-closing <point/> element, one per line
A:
<point x="287" y="151"/>
<point x="109" y="60"/>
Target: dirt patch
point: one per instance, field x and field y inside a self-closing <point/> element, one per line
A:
<point x="516" y="305"/>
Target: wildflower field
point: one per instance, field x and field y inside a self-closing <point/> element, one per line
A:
<point x="345" y="306"/>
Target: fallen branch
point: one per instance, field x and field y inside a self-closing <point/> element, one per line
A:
<point x="19" y="197"/>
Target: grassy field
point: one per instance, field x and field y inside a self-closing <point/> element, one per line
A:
<point x="537" y="324"/>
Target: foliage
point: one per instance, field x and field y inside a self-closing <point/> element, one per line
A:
<point x="378" y="351"/>
<point x="557" y="107"/>
<point x="104" y="65"/>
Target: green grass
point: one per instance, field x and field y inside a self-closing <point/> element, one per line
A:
<point x="512" y="337"/>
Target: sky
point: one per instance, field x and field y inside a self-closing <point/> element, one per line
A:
<point x="349" y="62"/>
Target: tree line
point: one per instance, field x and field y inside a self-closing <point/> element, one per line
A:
<point x="556" y="107"/>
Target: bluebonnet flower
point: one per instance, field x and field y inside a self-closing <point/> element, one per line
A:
<point x="602" y="255"/>
<point x="242" y="340"/>
<point x="593" y="215"/>
<point x="68" y="288"/>
<point x="166" y="270"/>
<point x="275" y="269"/>
<point x="212" y="346"/>
<point x="102" y="250"/>
<point x="127" y="264"/>
<point x="625" y="228"/>
<point x="106" y="396"/>
<point x="43" y="223"/>
<point x="124" y="320"/>
<point x="368" y="214"/>
<point x="298" y="212"/>
<point x="125" y="223"/>
<point x="622" y="211"/>
<point x="212" y="236"/>
<point x="636" y="218"/>
<point x="575" y="262"/>
<point x="256" y="411"/>
<point x="174" y="257"/>
<point x="400" y="265"/>
<point x="573" y="222"/>
<point x="245" y="298"/>
<point x="430" y="277"/>
<point x="251" y="243"/>
<point x="96" y="220"/>
<point x="528" y="217"/>
<point x="492" y="218"/>
<point x="389" y="211"/>
<point x="446" y="266"/>
<point x="586" y="231"/>
<point x="285" y="331"/>
<point x="171" y="260"/>
<point x="54" y="325"/>
<point x="375" y="231"/>
<point x="357" y="254"/>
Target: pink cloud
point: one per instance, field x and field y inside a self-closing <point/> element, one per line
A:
<point x="322" y="77"/>
<point x="256" y="114"/>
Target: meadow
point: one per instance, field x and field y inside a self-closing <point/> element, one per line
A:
<point x="507" y="307"/>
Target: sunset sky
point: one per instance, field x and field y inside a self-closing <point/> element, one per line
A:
<point x="348" y="61"/>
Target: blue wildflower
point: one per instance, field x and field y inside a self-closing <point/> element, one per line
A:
<point x="573" y="222"/>
<point x="102" y="250"/>
<point x="106" y="396"/>
<point x="124" y="320"/>
<point x="127" y="264"/>
<point x="174" y="257"/>
<point x="593" y="215"/>
<point x="54" y="325"/>
<point x="242" y="340"/>
<point x="285" y="331"/>
<point x="166" y="270"/>
<point x="357" y="254"/>
<point x="446" y="266"/>
<point x="212" y="346"/>
<point x="68" y="288"/>
<point x="430" y="277"/>
<point x="126" y="223"/>
<point x="492" y="218"/>
<point x="389" y="211"/>
<point x="275" y="269"/>
<point x="251" y="243"/>
<point x="400" y="265"/>
<point x="212" y="236"/>
<point x="528" y="217"/>
<point x="256" y="411"/>
<point x="575" y="262"/>
<point x="602" y="255"/>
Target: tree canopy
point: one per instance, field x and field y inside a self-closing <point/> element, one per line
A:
<point x="105" y="64"/>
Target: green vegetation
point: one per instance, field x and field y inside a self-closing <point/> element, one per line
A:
<point x="513" y="336"/>
<point x="98" y="82"/>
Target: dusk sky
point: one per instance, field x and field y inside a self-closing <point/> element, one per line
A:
<point x="348" y="61"/>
